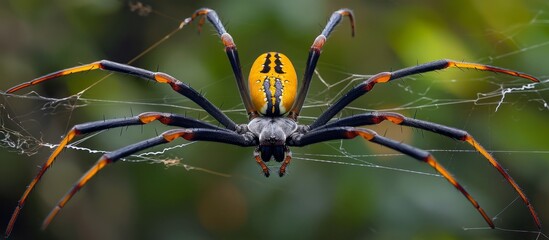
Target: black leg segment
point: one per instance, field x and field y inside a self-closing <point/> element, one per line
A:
<point x="176" y="85"/>
<point x="314" y="55"/>
<point x="327" y="134"/>
<point x="458" y="134"/>
<point x="232" y="54"/>
<point x="383" y="77"/>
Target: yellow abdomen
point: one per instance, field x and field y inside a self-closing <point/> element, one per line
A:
<point x="272" y="84"/>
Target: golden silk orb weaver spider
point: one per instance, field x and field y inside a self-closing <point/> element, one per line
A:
<point x="273" y="103"/>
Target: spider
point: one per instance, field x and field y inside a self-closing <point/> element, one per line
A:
<point x="273" y="104"/>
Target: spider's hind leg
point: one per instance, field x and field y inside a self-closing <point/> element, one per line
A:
<point x="333" y="133"/>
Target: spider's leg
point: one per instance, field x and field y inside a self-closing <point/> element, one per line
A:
<point x="314" y="55"/>
<point x="327" y="134"/>
<point x="383" y="77"/>
<point x="85" y="128"/>
<point x="160" y="77"/>
<point x="232" y="54"/>
<point x="458" y="134"/>
<point x="192" y="134"/>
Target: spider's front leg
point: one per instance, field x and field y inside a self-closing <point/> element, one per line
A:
<point x="232" y="53"/>
<point x="314" y="55"/>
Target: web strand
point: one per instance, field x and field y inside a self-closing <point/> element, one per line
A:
<point x="421" y="94"/>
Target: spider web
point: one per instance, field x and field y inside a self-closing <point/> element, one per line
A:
<point x="481" y="113"/>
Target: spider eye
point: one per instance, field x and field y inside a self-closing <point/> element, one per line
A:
<point x="272" y="84"/>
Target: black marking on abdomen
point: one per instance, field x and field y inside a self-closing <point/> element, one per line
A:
<point x="278" y="65"/>
<point x="279" y="87"/>
<point x="266" y="64"/>
<point x="268" y="96"/>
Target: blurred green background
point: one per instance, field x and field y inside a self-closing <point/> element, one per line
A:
<point x="139" y="200"/>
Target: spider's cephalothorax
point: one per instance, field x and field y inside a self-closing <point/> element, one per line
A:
<point x="272" y="133"/>
<point x="270" y="95"/>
